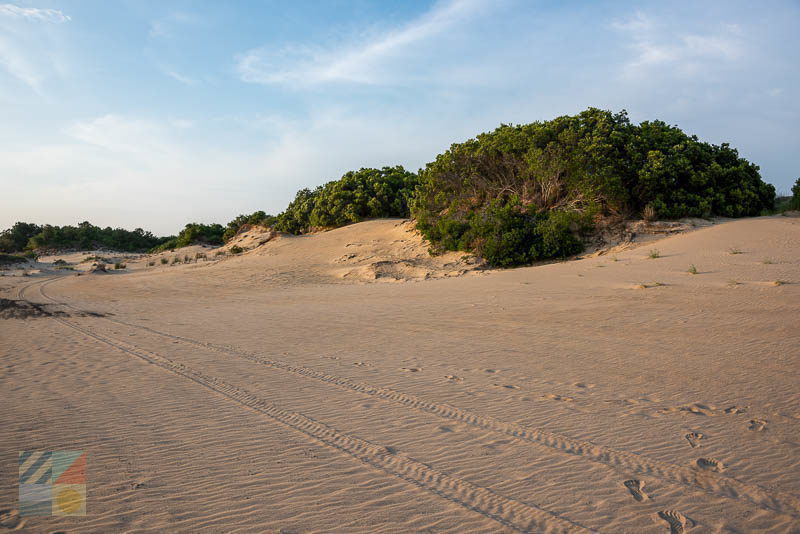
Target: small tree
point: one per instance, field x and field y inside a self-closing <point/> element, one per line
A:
<point x="796" y="195"/>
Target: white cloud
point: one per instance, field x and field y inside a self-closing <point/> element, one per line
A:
<point x="361" y="62"/>
<point x="686" y="54"/>
<point x="27" y="49"/>
<point x="33" y="13"/>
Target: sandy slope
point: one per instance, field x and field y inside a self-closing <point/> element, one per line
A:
<point x="277" y="391"/>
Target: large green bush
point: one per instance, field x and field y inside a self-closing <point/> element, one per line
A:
<point x="795" y="203"/>
<point x="524" y="193"/>
<point x="358" y="195"/>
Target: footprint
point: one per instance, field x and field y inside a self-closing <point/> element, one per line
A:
<point x="758" y="425"/>
<point x="11" y="520"/>
<point x="583" y="385"/>
<point x="676" y="520"/>
<point x="360" y="364"/>
<point x="552" y="396"/>
<point x="736" y="410"/>
<point x="694" y="439"/>
<point x="506" y="386"/>
<point x="698" y="409"/>
<point x="710" y="464"/>
<point x="454" y="378"/>
<point x="636" y="487"/>
<point x="411" y="369"/>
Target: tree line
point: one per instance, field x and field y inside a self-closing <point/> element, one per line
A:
<point x="518" y="194"/>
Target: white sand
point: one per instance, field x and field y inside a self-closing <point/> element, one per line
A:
<point x="284" y="390"/>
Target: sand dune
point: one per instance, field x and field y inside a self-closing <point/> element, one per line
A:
<point x="287" y="389"/>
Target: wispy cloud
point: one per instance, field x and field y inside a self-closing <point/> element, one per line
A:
<point x="364" y="62"/>
<point x="684" y="53"/>
<point x="177" y="76"/>
<point x="26" y="50"/>
<point x="33" y="13"/>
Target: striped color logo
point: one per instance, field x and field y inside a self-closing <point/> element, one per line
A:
<point x="52" y="483"/>
<point x="35" y="467"/>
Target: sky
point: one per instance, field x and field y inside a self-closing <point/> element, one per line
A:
<point x="153" y="114"/>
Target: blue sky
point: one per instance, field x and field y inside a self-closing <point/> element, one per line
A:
<point x="158" y="113"/>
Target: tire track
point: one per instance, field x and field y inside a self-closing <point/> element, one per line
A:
<point x="626" y="462"/>
<point x="513" y="514"/>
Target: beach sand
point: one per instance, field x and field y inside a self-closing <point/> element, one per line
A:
<point x="347" y="381"/>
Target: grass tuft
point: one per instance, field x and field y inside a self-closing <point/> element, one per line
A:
<point x="654" y="254"/>
<point x="692" y="269"/>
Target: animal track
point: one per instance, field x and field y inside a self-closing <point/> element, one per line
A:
<point x="636" y="487"/>
<point x="676" y="520"/>
<point x="710" y="464"/>
<point x="758" y="425"/>
<point x="694" y="439"/>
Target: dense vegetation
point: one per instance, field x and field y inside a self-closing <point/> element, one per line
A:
<point x="193" y="234"/>
<point x="525" y="193"/>
<point x="519" y="194"/>
<point x="25" y="236"/>
<point x="358" y="195"/>
<point x="795" y="203"/>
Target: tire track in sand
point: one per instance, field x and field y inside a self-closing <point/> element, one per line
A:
<point x="626" y="462"/>
<point x="513" y="514"/>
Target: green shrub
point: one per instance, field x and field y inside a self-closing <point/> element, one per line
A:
<point x="7" y="259"/>
<point x="491" y="194"/>
<point x="193" y="233"/>
<point x="164" y="261"/>
<point x="236" y="249"/>
<point x="358" y="195"/>
<point x="795" y="202"/>
<point x="119" y="265"/>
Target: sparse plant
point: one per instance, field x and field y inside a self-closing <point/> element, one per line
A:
<point x="642" y="286"/>
<point x="649" y="213"/>
<point x="26" y="273"/>
<point x="732" y="283"/>
<point x="175" y="260"/>
<point x="236" y="249"/>
<point x="200" y="255"/>
<point x="659" y="284"/>
<point x="767" y="261"/>
<point x="734" y="250"/>
<point x="779" y="282"/>
<point x="614" y="259"/>
<point x="119" y="265"/>
<point x="164" y="261"/>
<point x="654" y="254"/>
<point x="150" y="263"/>
<point x="187" y="259"/>
<point x="692" y="269"/>
<point x="220" y="253"/>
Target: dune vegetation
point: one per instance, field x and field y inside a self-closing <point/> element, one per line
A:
<point x="516" y="195"/>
